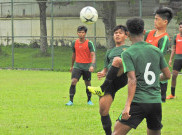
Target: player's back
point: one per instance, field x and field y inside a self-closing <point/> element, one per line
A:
<point x="146" y="60"/>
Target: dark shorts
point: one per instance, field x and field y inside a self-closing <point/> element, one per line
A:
<point x="77" y="73"/>
<point x="138" y="111"/>
<point x="117" y="84"/>
<point x="177" y="65"/>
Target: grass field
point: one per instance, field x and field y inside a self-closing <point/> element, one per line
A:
<point x="33" y="103"/>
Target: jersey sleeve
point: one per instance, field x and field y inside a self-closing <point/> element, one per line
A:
<point x="146" y="35"/>
<point x="106" y="60"/>
<point x="73" y="46"/>
<point x="128" y="65"/>
<point x="174" y="39"/>
<point x="163" y="63"/>
<point x="91" y="46"/>
<point x="163" y="44"/>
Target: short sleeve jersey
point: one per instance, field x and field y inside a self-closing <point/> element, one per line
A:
<point x="147" y="62"/>
<point x="177" y="41"/>
<point x="114" y="52"/>
<point x="86" y="47"/>
<point x="163" y="41"/>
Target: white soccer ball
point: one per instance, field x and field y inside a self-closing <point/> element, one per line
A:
<point x="88" y="15"/>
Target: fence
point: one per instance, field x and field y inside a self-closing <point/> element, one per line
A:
<point x="20" y="28"/>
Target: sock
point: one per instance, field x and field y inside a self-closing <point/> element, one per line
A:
<point x="111" y="75"/>
<point x="106" y="123"/>
<point x="88" y="94"/>
<point x="173" y="91"/>
<point x="163" y="91"/>
<point x="72" y="92"/>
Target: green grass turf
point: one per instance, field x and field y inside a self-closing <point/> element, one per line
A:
<point x="33" y="103"/>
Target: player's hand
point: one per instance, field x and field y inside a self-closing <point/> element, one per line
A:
<point x="71" y="69"/>
<point x="91" y="69"/>
<point x="125" y="113"/>
<point x="100" y="75"/>
<point x="170" y="61"/>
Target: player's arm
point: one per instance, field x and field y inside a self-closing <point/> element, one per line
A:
<point x="92" y="50"/>
<point x="131" y="92"/>
<point x="163" y="44"/>
<point x="73" y="56"/>
<point x="173" y="51"/>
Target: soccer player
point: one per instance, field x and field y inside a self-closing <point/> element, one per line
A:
<point x="83" y="62"/>
<point x="111" y="85"/>
<point x="160" y="38"/>
<point x="143" y="64"/>
<point x="176" y="49"/>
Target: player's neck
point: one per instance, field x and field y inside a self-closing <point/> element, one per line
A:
<point x="160" y="32"/>
<point x="82" y="40"/>
<point x="120" y="44"/>
<point x="137" y="39"/>
<point x="180" y="34"/>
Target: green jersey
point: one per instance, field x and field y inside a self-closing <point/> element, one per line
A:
<point x="114" y="52"/>
<point x="147" y="61"/>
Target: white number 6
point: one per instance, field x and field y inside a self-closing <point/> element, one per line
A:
<point x="149" y="73"/>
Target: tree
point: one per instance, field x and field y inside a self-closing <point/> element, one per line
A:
<point x="43" y="26"/>
<point x="109" y="20"/>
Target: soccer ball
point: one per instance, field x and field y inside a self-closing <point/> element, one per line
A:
<point x="88" y="15"/>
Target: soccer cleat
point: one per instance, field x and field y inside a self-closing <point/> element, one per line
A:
<point x="96" y="90"/>
<point x="90" y="102"/>
<point x="69" y="103"/>
<point x="170" y="97"/>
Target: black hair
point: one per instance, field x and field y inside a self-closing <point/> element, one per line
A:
<point x="122" y="27"/>
<point x="135" y="26"/>
<point x="80" y="28"/>
<point x="180" y="23"/>
<point x="165" y="13"/>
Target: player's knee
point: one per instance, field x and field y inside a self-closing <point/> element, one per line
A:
<point x="103" y="110"/>
<point x="74" y="81"/>
<point x="117" y="62"/>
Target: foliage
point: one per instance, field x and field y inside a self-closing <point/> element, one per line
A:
<point x="178" y="17"/>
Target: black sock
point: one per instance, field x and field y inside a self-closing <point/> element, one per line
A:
<point x="111" y="75"/>
<point x="88" y="94"/>
<point x="163" y="91"/>
<point x="173" y="91"/>
<point x="106" y="123"/>
<point x="72" y="92"/>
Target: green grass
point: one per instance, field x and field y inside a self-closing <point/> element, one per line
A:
<point x="29" y="58"/>
<point x="33" y="103"/>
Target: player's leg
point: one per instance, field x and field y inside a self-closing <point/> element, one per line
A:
<point x="104" y="106"/>
<point x="114" y="71"/>
<point x="176" y="68"/>
<point x="76" y="74"/>
<point x="163" y="90"/>
<point x="87" y="79"/>
<point x="121" y="129"/>
<point x="153" y="132"/>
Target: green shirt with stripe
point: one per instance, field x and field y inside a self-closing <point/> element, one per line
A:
<point x="83" y="66"/>
<point x="147" y="61"/>
<point x="177" y="56"/>
<point x="114" y="52"/>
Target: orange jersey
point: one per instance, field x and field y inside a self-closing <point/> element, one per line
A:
<point x="154" y="40"/>
<point x="82" y="51"/>
<point x="178" y="44"/>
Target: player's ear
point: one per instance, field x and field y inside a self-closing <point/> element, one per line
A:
<point x="144" y="31"/>
<point x="127" y="33"/>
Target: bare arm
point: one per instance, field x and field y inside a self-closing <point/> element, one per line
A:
<point x="91" y="69"/>
<point x="131" y="93"/>
<point x="165" y="75"/>
<point x="72" y="62"/>
<point x="172" y="54"/>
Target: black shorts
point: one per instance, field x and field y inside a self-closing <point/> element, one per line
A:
<point x="117" y="83"/>
<point x="177" y="65"/>
<point x="138" y="111"/>
<point x="77" y="73"/>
